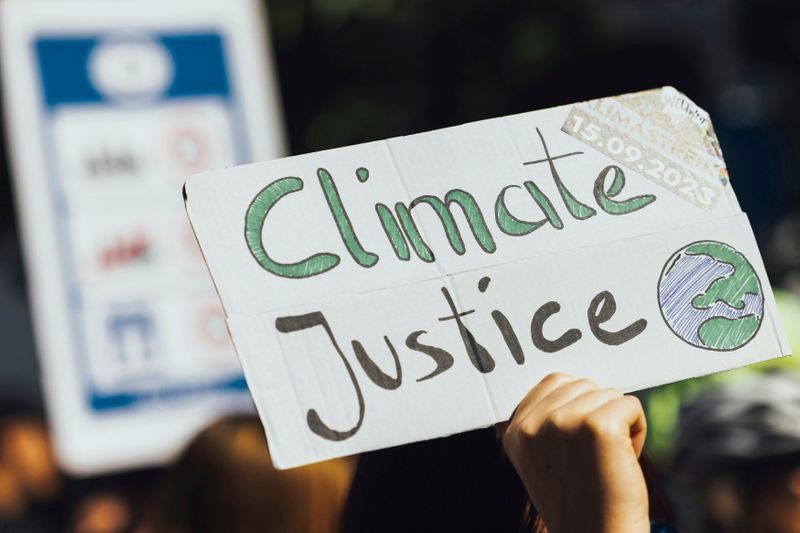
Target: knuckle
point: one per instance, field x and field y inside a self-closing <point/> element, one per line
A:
<point x="526" y="429"/>
<point x="556" y="377"/>
<point x="634" y="401"/>
<point x="613" y="393"/>
<point x="559" y="419"/>
<point x="555" y="429"/>
<point x="585" y="383"/>
<point x="628" y="402"/>
<point x="597" y="426"/>
<point x="636" y="404"/>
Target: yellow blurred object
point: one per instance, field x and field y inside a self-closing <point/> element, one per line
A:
<point x="103" y="512"/>
<point x="12" y="498"/>
<point x="28" y="469"/>
<point x="25" y="449"/>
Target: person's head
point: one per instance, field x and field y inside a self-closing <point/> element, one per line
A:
<point x="741" y="445"/>
<point x="224" y="481"/>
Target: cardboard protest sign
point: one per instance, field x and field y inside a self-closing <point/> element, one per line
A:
<point x="416" y="287"/>
<point x="109" y="106"/>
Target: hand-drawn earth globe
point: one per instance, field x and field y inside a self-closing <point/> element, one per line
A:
<point x="710" y="296"/>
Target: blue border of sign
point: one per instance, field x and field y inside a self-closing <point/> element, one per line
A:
<point x="201" y="63"/>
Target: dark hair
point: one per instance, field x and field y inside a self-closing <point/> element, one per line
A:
<point x="460" y="483"/>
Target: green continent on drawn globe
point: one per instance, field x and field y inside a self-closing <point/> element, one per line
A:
<point x="710" y="296"/>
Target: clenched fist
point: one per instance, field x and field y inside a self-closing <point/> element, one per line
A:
<point x="576" y="448"/>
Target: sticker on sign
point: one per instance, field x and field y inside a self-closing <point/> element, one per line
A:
<point x="416" y="287"/>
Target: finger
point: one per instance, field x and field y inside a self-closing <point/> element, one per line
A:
<point x="565" y="394"/>
<point x="556" y="399"/>
<point x="582" y="405"/>
<point x="626" y="411"/>
<point x="540" y="391"/>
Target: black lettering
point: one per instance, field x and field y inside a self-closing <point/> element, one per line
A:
<point x="502" y="323"/>
<point x="478" y="355"/>
<point x="509" y="336"/>
<point x="604" y="197"/>
<point x="442" y="358"/>
<point x="378" y="376"/>
<point x="537" y="324"/>
<point x="576" y="208"/>
<point x="289" y="324"/>
<point x="601" y="309"/>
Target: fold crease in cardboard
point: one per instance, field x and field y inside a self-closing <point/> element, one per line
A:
<point x="412" y="288"/>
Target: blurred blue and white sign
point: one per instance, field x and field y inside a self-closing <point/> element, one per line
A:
<point x="109" y="107"/>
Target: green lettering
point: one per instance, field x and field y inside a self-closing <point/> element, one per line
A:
<point x="411" y="231"/>
<point x="393" y="231"/>
<point x="441" y="207"/>
<point x="617" y="207"/>
<point x="508" y="223"/>
<point x="254" y="220"/>
<point x="362" y="257"/>
<point x="545" y="204"/>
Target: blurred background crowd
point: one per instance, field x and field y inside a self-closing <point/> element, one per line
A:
<point x="349" y="71"/>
